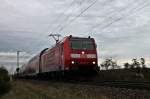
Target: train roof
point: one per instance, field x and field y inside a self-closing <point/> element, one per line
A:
<point x="71" y="37"/>
<point x="76" y="37"/>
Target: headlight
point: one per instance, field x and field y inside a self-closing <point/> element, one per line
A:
<point x="72" y="62"/>
<point x="91" y="55"/>
<point x="83" y="52"/>
<point x="75" y="55"/>
<point x="94" y="63"/>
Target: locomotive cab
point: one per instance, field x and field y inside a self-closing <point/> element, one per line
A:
<point x="82" y="53"/>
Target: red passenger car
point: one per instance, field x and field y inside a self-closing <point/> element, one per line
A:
<point x="71" y="53"/>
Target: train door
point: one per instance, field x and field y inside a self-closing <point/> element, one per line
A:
<point x="62" y="56"/>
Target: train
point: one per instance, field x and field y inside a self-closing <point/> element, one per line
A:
<point x="69" y="54"/>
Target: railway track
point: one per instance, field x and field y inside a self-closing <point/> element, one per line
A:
<point x="144" y="85"/>
<point x="124" y="84"/>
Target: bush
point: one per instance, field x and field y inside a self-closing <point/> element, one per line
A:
<point x="5" y="85"/>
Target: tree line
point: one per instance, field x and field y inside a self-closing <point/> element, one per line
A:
<point x="5" y="85"/>
<point x="109" y="63"/>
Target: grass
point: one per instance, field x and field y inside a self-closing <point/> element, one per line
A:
<point x="23" y="89"/>
<point x="5" y="85"/>
<point x="27" y="90"/>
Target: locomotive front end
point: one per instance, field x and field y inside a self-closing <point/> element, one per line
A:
<point x="83" y="53"/>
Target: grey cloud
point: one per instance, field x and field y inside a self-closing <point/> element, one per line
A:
<point x="25" y="25"/>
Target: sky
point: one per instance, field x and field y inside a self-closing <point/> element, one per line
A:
<point x="120" y="27"/>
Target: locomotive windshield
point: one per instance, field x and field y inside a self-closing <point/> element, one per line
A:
<point x="84" y="44"/>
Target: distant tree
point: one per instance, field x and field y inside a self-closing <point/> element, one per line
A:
<point x="109" y="63"/>
<point x="114" y="64"/>
<point x="106" y="64"/>
<point x="142" y="60"/>
<point x="4" y="81"/>
<point x="102" y="65"/>
<point x="17" y="70"/>
<point x="126" y="65"/>
<point x="135" y="63"/>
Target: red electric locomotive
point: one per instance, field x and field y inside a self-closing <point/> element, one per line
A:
<point x="71" y="53"/>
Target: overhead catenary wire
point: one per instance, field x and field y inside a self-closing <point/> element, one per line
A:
<point x="121" y="18"/>
<point x="67" y="18"/>
<point x="78" y="15"/>
<point x="124" y="17"/>
<point x="109" y="17"/>
<point x="59" y="17"/>
<point x="61" y="28"/>
<point x="81" y="14"/>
